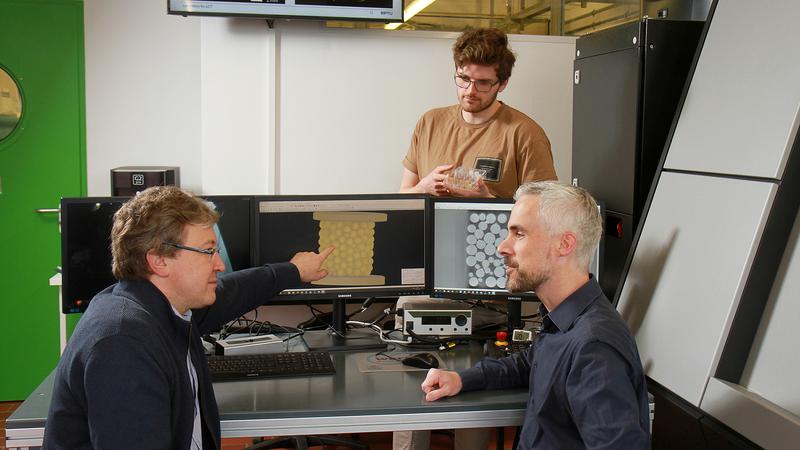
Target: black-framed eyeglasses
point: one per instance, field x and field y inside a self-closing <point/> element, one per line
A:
<point x="206" y="251"/>
<point x="480" y="85"/>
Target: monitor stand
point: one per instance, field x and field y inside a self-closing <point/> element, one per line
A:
<point x="514" y="308"/>
<point x="327" y="340"/>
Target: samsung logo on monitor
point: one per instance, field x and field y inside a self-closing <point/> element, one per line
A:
<point x="344" y="295"/>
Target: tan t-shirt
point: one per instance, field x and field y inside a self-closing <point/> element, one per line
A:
<point x="510" y="146"/>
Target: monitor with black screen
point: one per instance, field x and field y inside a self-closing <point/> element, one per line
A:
<point x="86" y="249"/>
<point x="380" y="251"/>
<point x="86" y="243"/>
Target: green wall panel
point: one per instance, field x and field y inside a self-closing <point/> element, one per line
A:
<point x="41" y="46"/>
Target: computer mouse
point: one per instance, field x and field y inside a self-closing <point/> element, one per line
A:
<point x="422" y="360"/>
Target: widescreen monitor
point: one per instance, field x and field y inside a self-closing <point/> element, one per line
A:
<point x="86" y="243"/>
<point x="368" y="10"/>
<point x="466" y="263"/>
<point x="381" y="251"/>
<point x="466" y="235"/>
<point x="380" y="242"/>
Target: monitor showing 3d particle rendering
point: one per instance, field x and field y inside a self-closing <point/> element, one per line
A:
<point x="380" y="242"/>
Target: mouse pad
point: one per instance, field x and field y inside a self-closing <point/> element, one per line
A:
<point x="371" y="362"/>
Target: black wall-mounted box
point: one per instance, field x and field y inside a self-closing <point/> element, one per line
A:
<point x="128" y="180"/>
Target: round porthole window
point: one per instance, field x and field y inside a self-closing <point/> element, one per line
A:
<point x="10" y="104"/>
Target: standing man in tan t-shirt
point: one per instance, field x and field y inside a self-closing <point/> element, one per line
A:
<point x="480" y="132"/>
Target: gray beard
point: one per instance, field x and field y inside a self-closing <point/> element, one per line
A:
<point x="525" y="282"/>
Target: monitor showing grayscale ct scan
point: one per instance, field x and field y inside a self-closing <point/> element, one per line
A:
<point x="466" y="236"/>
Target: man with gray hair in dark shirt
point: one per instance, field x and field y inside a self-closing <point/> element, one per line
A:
<point x="586" y="382"/>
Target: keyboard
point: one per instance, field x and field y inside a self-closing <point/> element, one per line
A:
<point x="270" y="365"/>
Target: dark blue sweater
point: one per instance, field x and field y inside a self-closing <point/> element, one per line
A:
<point x="122" y="381"/>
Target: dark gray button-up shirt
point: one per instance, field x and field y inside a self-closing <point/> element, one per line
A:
<point x="587" y="386"/>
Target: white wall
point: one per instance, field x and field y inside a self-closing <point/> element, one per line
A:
<point x="142" y="90"/>
<point x="300" y="108"/>
<point x="349" y="100"/>
<point x="237" y="106"/>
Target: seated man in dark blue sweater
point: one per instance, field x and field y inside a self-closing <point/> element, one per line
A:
<point x="134" y="373"/>
<point x="587" y="387"/>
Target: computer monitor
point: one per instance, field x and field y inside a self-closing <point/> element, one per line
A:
<point x="86" y="243"/>
<point x="381" y="245"/>
<point x="466" y="264"/>
<point x="369" y="10"/>
<point x="234" y="230"/>
<point x="86" y="249"/>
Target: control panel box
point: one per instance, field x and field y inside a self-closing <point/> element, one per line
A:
<point x="437" y="322"/>
<point x="127" y="181"/>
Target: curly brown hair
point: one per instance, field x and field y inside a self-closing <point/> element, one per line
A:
<point x="148" y="220"/>
<point x="485" y="47"/>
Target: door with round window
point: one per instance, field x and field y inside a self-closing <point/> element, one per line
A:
<point x="10" y="104"/>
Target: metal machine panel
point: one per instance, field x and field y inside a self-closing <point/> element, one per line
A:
<point x="769" y="371"/>
<point x="628" y="81"/>
<point x="607" y="92"/>
<point x="688" y="270"/>
<point x="616" y="244"/>
<point x="623" y="37"/>
<point x="744" y="95"/>
<point x="752" y="415"/>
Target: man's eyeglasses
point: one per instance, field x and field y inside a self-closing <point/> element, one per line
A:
<point x="206" y="251"/>
<point x="480" y="85"/>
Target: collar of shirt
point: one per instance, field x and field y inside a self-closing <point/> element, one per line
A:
<point x="571" y="308"/>
<point x="186" y="317"/>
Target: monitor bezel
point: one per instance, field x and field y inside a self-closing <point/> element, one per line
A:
<point x="251" y="222"/>
<point x="467" y="294"/>
<point x="68" y="305"/>
<point x="327" y="298"/>
<point x="268" y="11"/>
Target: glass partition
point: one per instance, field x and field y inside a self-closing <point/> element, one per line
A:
<point x="540" y="17"/>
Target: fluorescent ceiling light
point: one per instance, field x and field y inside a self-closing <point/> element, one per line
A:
<point x="411" y="10"/>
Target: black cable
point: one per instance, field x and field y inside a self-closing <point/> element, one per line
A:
<point x="253" y="327"/>
<point x="481" y="304"/>
<point x="299" y="333"/>
<point x="386" y="355"/>
<point x="425" y="340"/>
<point x="366" y="304"/>
<point x="322" y="324"/>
